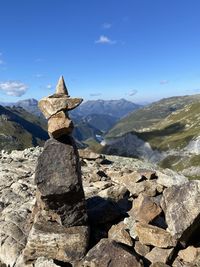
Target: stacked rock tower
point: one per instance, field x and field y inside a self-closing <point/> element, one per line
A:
<point x="59" y="230"/>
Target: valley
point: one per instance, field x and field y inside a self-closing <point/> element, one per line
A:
<point x="165" y="132"/>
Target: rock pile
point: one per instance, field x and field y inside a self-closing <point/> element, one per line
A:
<point x="59" y="218"/>
<point x="139" y="215"/>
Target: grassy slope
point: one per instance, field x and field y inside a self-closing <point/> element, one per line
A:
<point x="20" y="129"/>
<point x="176" y="130"/>
<point x="148" y="117"/>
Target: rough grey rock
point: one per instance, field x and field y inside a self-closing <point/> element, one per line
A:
<point x="17" y="200"/>
<point x="155" y="236"/>
<point x="54" y="241"/>
<point x="144" y="209"/>
<point x="60" y="101"/>
<point x="159" y="264"/>
<point x="119" y="234"/>
<point x="190" y="254"/>
<point x="109" y="254"/>
<point x="17" y="197"/>
<point x="58" y="179"/>
<point x="130" y="226"/>
<point x="181" y="205"/>
<point x="59" y="125"/>
<point x="170" y="178"/>
<point x="159" y="255"/>
<point x="141" y="249"/>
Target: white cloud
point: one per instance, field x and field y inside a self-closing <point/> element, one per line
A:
<point x="104" y="40"/>
<point x="107" y="25"/>
<point x="13" y="88"/>
<point x="162" y="82"/>
<point x="49" y="86"/>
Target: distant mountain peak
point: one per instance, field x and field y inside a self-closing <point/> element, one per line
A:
<point x="116" y="108"/>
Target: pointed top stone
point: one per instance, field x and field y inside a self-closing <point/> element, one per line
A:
<point x="61" y="87"/>
<point x="60" y="101"/>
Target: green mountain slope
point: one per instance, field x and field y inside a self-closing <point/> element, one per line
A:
<point x="172" y="141"/>
<point x="147" y="117"/>
<point x="20" y="129"/>
<point x="176" y="130"/>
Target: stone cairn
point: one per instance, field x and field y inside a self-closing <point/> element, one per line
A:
<point x="59" y="220"/>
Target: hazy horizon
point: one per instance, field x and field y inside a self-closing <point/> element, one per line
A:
<point x="100" y="99"/>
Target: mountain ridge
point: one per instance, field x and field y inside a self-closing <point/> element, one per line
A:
<point x="171" y="141"/>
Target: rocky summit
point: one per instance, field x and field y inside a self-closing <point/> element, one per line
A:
<point x="138" y="215"/>
<point x="64" y="207"/>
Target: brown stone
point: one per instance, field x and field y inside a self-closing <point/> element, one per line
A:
<point x="119" y="234"/>
<point x="55" y="103"/>
<point x="148" y="174"/>
<point x="144" y="209"/>
<point x="54" y="241"/>
<point x="141" y="249"/>
<point x="159" y="255"/>
<point x="136" y="185"/>
<point x="60" y="101"/>
<point x="109" y="254"/>
<point x="58" y="180"/>
<point x="159" y="264"/>
<point x="179" y="263"/>
<point x="88" y="154"/>
<point x="59" y="125"/>
<point x="51" y="106"/>
<point x="155" y="236"/>
<point x="115" y="193"/>
<point x="189" y="254"/>
<point x="181" y="205"/>
<point x="61" y="87"/>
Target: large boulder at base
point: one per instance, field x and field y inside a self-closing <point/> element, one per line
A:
<point x="59" y="229"/>
<point x="109" y="254"/>
<point x="58" y="180"/>
<point x="181" y="205"/>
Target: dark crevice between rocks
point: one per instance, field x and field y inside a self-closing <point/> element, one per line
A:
<point x="191" y="237"/>
<point x="62" y="264"/>
<point x="66" y="139"/>
<point x="174" y="254"/>
<point x="191" y="234"/>
<point x="160" y="221"/>
<point x="102" y="215"/>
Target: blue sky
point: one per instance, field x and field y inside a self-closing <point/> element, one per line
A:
<point x="141" y="50"/>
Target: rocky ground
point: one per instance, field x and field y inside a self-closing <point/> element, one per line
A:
<point x="139" y="215"/>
